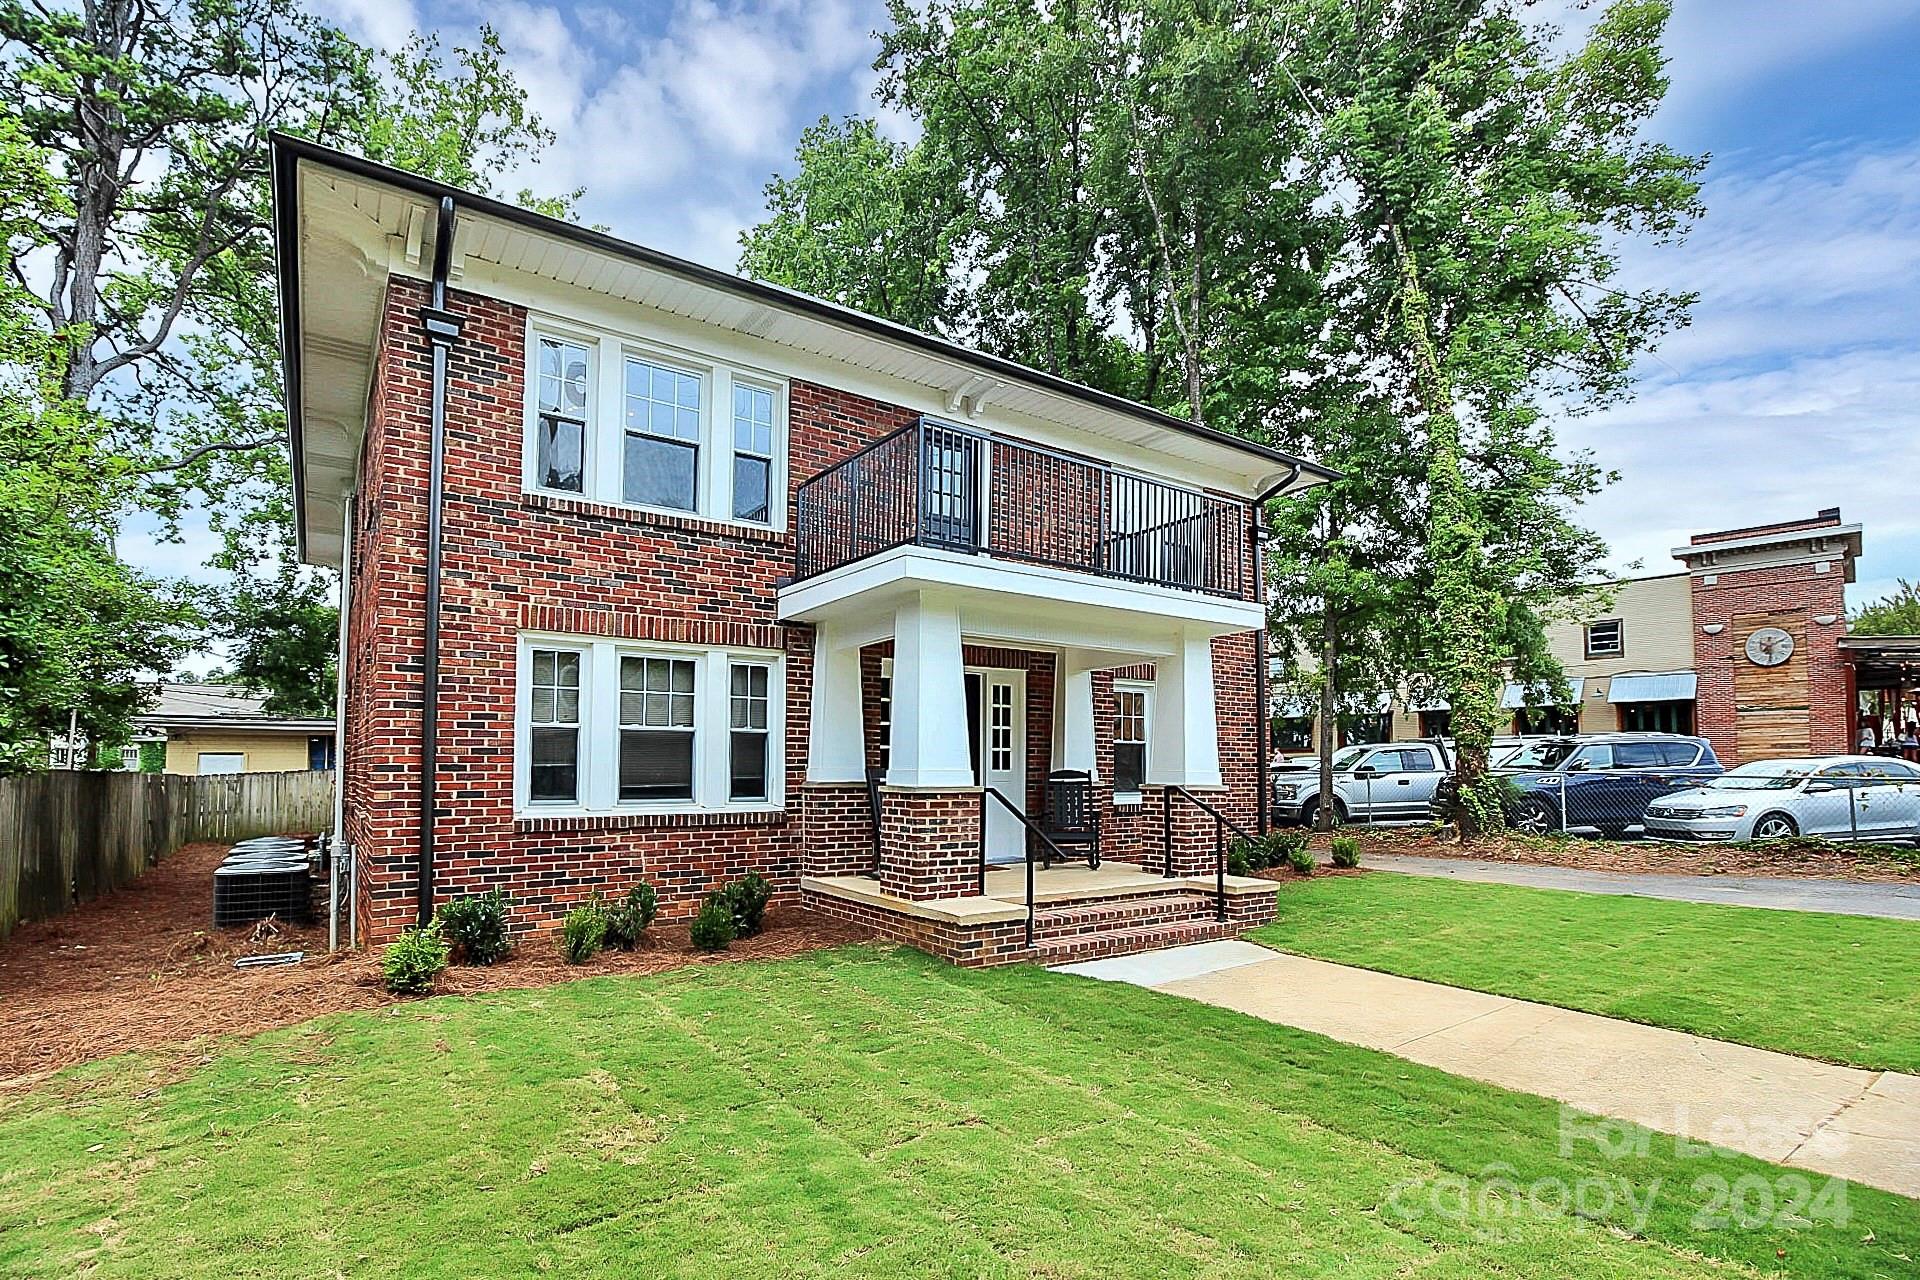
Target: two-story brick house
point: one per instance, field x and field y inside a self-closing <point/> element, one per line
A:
<point x="656" y="572"/>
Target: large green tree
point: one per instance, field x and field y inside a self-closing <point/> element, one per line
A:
<point x="155" y="278"/>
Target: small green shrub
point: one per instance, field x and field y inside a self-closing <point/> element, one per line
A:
<point x="1240" y="857"/>
<point x="713" y="926"/>
<point x="476" y="927"/>
<point x="414" y="960"/>
<point x="1346" y="851"/>
<point x="1300" y="858"/>
<point x="629" y="918"/>
<point x="1282" y="847"/>
<point x="747" y="898"/>
<point x="583" y="932"/>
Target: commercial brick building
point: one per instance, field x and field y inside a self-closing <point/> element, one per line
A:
<point x="657" y="573"/>
<point x="1742" y="646"/>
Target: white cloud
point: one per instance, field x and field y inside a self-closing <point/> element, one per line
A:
<point x="385" y="24"/>
<point x="1721" y="46"/>
<point x="1798" y="386"/>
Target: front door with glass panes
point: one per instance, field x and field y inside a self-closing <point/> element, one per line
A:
<point x="997" y="732"/>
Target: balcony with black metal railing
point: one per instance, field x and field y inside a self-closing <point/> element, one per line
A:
<point x="932" y="484"/>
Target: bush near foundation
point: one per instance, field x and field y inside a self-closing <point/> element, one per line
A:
<point x="413" y="960"/>
<point x="476" y="927"/>
<point x="712" y="928"/>
<point x="583" y="932"/>
<point x="629" y="918"/>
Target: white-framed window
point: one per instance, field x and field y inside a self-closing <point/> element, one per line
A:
<point x="660" y="458"/>
<point x="1131" y="707"/>
<point x="605" y="726"/>
<point x="629" y="422"/>
<point x="553" y="725"/>
<point x="753" y="452"/>
<point x="563" y="384"/>
<point x="748" y="726"/>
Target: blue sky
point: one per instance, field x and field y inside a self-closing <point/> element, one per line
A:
<point x="1796" y="388"/>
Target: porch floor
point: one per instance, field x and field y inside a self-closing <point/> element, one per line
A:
<point x="1072" y="880"/>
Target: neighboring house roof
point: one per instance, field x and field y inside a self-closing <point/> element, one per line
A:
<point x="189" y="705"/>
<point x="396" y="209"/>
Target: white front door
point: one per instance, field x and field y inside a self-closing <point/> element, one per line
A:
<point x="997" y="725"/>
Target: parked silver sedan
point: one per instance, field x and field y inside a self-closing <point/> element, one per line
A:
<point x="1874" y="798"/>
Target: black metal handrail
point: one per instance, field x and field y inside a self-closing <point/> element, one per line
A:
<point x="1221" y="825"/>
<point x="932" y="483"/>
<point x="1032" y="829"/>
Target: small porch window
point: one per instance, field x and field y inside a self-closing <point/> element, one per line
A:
<point x="1129" y="743"/>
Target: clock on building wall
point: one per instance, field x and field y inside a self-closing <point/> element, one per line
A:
<point x="1769" y="647"/>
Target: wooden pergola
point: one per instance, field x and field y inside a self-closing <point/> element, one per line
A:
<point x="1883" y="686"/>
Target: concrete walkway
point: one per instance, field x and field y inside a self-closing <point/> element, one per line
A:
<point x="1842" y="897"/>
<point x="1862" y="1125"/>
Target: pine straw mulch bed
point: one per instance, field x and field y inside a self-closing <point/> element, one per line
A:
<point x="143" y="968"/>
<point x="1798" y="858"/>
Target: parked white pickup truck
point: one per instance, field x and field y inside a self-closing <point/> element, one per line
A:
<point x="1382" y="782"/>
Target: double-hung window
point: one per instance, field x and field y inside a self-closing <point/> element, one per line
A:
<point x="747" y="724"/>
<point x="661" y="465"/>
<point x="752" y="453"/>
<point x="656" y="728"/>
<point x="553" y="724"/>
<point x="1129" y="742"/>
<point x="560" y="431"/>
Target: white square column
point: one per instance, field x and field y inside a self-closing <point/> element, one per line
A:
<point x="1073" y="742"/>
<point x="836" y="737"/>
<point x="930" y="745"/>
<point x="1184" y="746"/>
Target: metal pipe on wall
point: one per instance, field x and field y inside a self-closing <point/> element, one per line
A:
<point x="443" y="328"/>
<point x="1257" y="535"/>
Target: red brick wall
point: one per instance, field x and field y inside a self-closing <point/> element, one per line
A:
<point x="1740" y="591"/>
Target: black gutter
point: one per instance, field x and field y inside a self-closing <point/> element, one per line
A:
<point x="442" y="327"/>
<point x="286" y="260"/>
<point x="1262" y="726"/>
<point x="288" y="150"/>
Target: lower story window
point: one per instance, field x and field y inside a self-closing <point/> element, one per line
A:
<point x="606" y="724"/>
<point x="1129" y="741"/>
<point x="656" y="728"/>
<point x="747" y="723"/>
<point x="1656" y="717"/>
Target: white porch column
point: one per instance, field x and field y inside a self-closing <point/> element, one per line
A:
<point x="929" y="697"/>
<point x="1184" y="745"/>
<point x="1073" y="748"/>
<point x="836" y="744"/>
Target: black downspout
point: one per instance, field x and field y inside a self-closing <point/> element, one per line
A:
<point x="442" y="327"/>
<point x="1261" y="686"/>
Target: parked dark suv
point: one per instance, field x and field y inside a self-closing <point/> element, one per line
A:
<point x="1601" y="782"/>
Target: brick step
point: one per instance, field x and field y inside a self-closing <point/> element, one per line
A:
<point x="1107" y="915"/>
<point x="1125" y="942"/>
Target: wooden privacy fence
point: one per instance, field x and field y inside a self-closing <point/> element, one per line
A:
<point x="67" y="837"/>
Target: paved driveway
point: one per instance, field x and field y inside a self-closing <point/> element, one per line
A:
<point x="1862" y="1125"/>
<point x="1842" y="897"/>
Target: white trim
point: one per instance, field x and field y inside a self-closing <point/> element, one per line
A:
<point x="599" y="768"/>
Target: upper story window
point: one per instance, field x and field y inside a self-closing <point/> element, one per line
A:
<point x="752" y="452"/>
<point x="662" y="460"/>
<point x="1606" y="639"/>
<point x="616" y="421"/>
<point x="560" y="432"/>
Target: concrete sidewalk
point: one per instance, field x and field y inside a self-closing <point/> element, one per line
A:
<point x="1781" y="893"/>
<point x="1861" y="1125"/>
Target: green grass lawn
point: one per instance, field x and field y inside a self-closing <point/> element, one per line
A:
<point x="860" y="1112"/>
<point x="1842" y="988"/>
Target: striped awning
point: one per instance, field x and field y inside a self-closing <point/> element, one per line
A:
<point x="1659" y="686"/>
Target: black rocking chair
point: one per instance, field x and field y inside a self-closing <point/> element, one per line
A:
<point x="1072" y="818"/>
